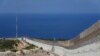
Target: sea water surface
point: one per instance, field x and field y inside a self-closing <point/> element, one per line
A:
<point x="46" y="26"/>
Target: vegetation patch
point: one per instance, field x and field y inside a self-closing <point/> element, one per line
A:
<point x="8" y="44"/>
<point x="13" y="45"/>
<point x="30" y="46"/>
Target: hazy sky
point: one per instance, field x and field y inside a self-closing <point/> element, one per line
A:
<point x="49" y="6"/>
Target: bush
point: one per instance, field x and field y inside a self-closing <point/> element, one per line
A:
<point x="31" y="46"/>
<point x="14" y="50"/>
<point x="7" y="44"/>
<point x="41" y="48"/>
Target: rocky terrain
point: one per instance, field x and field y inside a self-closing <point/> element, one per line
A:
<point x="21" y="48"/>
<point x="32" y="52"/>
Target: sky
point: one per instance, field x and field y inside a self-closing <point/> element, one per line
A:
<point x="49" y="6"/>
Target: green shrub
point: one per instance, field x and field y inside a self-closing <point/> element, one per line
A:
<point x="31" y="46"/>
<point x="14" y="50"/>
<point x="41" y="48"/>
<point x="7" y="44"/>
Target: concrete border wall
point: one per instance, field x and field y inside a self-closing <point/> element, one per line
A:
<point x="90" y="30"/>
<point x="86" y="34"/>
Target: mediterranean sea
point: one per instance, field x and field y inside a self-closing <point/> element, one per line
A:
<point x="46" y="26"/>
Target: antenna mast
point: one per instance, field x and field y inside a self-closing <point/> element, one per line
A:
<point x="16" y="27"/>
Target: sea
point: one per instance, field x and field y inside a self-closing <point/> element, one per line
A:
<point x="45" y="26"/>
